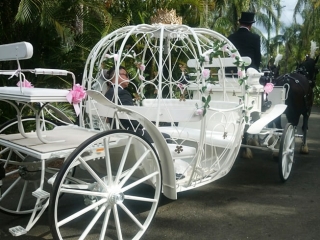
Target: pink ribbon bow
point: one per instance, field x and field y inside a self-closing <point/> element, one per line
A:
<point x="75" y="96"/>
<point x="25" y="83"/>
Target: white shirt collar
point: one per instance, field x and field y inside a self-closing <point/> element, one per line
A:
<point x="244" y="27"/>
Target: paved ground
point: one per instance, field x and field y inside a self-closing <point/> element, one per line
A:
<point x="249" y="203"/>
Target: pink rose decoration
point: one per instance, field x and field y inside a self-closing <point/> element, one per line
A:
<point x="180" y="86"/>
<point x="209" y="87"/>
<point x="25" y="83"/>
<point x="205" y="73"/>
<point x="240" y="73"/>
<point x="199" y="111"/>
<point x="75" y="96"/>
<point x="268" y="88"/>
<point x="116" y="57"/>
<point x="225" y="47"/>
<point x="142" y="67"/>
<point x="141" y="77"/>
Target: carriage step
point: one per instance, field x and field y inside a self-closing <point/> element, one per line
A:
<point x="17" y="231"/>
<point x="41" y="194"/>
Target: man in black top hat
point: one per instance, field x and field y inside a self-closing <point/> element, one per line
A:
<point x="247" y="43"/>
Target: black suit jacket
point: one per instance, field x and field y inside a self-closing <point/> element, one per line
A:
<point x="248" y="45"/>
<point x="124" y="98"/>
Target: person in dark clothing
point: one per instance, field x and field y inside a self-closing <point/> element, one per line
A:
<point x="246" y="42"/>
<point x="125" y="98"/>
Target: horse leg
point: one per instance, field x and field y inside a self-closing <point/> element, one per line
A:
<point x="304" y="146"/>
<point x="277" y="122"/>
<point x="245" y="151"/>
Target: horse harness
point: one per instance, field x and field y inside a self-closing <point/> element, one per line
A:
<point x="287" y="79"/>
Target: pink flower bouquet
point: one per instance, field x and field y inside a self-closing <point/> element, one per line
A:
<point x="75" y="96"/>
<point x="25" y="83"/>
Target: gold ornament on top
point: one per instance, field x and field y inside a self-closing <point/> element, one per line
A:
<point x="165" y="16"/>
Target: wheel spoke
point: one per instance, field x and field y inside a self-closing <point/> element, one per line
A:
<point x="81" y="212"/>
<point x="82" y="192"/>
<point x="22" y="195"/>
<point x="105" y="224"/>
<point x="123" y="159"/>
<point x="92" y="222"/>
<point x="6" y="149"/>
<point x="10" y="188"/>
<point x="141" y="199"/>
<point x="291" y="141"/>
<point x="65" y="187"/>
<point x="117" y="221"/>
<point x="18" y="154"/>
<point x="129" y="213"/>
<point x="141" y="180"/>
<point x="12" y="172"/>
<point x="108" y="159"/>
<point x="134" y="168"/>
<point x="93" y="173"/>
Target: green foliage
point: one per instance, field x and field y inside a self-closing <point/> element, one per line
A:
<point x="63" y="32"/>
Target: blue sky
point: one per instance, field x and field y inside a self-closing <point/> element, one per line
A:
<point x="286" y="15"/>
<point x="287" y="11"/>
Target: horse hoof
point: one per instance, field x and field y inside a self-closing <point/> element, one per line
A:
<point x="304" y="149"/>
<point x="253" y="142"/>
<point x="247" y="153"/>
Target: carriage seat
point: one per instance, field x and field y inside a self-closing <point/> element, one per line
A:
<point x="212" y="138"/>
<point x="222" y="118"/>
<point x="221" y="126"/>
<point x="34" y="94"/>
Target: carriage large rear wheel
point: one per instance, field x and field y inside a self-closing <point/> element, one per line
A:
<point x="286" y="152"/>
<point x="115" y="192"/>
<point x="21" y="173"/>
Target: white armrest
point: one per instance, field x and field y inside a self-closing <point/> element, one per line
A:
<point x="58" y="72"/>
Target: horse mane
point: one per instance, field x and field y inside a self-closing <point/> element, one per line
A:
<point x="310" y="69"/>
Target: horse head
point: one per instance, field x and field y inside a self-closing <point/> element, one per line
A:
<point x="270" y="74"/>
<point x="275" y="70"/>
<point x="309" y="69"/>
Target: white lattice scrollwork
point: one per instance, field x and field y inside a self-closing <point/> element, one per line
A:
<point x="178" y="83"/>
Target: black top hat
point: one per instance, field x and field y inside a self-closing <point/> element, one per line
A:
<point x="247" y="17"/>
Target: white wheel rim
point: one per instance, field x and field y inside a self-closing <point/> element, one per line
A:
<point x="110" y="193"/>
<point x="288" y="152"/>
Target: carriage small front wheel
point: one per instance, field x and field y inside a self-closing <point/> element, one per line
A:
<point x="115" y="192"/>
<point x="286" y="152"/>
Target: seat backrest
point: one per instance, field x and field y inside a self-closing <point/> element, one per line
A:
<point x="16" y="51"/>
<point x="217" y="62"/>
<point x="228" y="87"/>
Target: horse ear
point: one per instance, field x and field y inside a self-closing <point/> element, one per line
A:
<point x="316" y="60"/>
